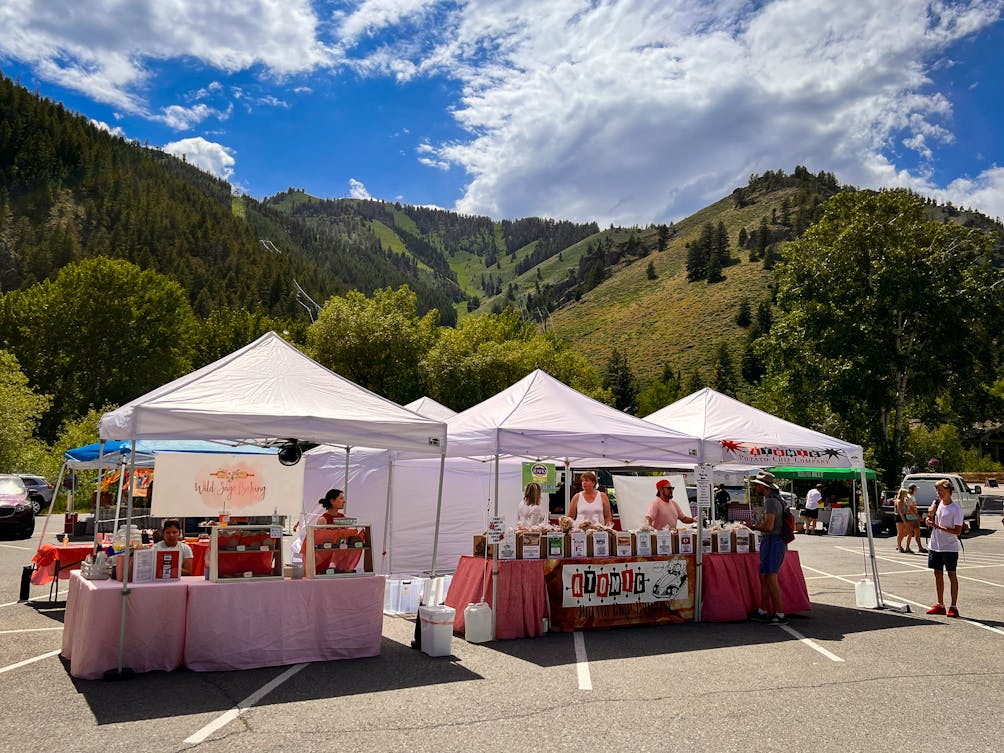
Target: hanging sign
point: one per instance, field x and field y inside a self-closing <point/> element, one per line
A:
<point x="496" y="529"/>
<point x="541" y="473"/>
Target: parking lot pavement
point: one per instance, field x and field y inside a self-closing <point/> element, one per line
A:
<point x="837" y="678"/>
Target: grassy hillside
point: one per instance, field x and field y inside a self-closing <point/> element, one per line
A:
<point x="668" y="319"/>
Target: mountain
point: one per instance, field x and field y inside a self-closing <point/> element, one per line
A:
<point x="664" y="295"/>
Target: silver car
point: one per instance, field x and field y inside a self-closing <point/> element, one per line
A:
<point x="39" y="491"/>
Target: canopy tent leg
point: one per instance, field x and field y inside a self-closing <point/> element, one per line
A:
<point x="385" y="556"/>
<point x="121" y="673"/>
<point x="879" y="600"/>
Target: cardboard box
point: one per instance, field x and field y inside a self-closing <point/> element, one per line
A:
<point x="742" y="541"/>
<point x="723" y="541"/>
<point x="623" y="545"/>
<point x="644" y="544"/>
<point x="479" y="546"/>
<point x="556" y="545"/>
<point x="507" y="548"/>
<point x="707" y="541"/>
<point x="529" y="545"/>
<point x="599" y="544"/>
<point x="687" y="541"/>
<point x="664" y="543"/>
<point x="579" y="543"/>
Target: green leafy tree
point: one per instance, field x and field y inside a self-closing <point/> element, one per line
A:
<point x="228" y="329"/>
<point x="620" y="380"/>
<point x="660" y="393"/>
<point x="880" y="310"/>
<point x="376" y="342"/>
<point x="103" y="331"/>
<point x="21" y="410"/>
<point x="484" y="355"/>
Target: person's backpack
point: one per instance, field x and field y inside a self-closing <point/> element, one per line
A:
<point x="787" y="525"/>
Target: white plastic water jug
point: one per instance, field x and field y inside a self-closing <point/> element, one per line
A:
<point x="864" y="593"/>
<point x="478" y="623"/>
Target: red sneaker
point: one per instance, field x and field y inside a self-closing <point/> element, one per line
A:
<point x="953" y="611"/>
<point x="937" y="609"/>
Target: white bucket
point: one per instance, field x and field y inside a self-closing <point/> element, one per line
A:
<point x="864" y="592"/>
<point x="437" y="630"/>
<point x="478" y="623"/>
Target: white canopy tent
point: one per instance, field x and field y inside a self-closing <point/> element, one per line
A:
<point x="270" y="391"/>
<point x="426" y="406"/>
<point x="537" y="418"/>
<point x="735" y="434"/>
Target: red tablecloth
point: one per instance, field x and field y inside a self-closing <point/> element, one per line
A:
<point x="731" y="590"/>
<point x="522" y="597"/>
<point x="269" y="623"/>
<point x="200" y="550"/>
<point x="155" y="626"/>
<point x="66" y="558"/>
<point x="732" y="586"/>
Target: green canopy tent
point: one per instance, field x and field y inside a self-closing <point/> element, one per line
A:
<point x="833" y="474"/>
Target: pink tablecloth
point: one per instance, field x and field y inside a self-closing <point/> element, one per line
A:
<point x="155" y="626"/>
<point x="522" y="596"/>
<point x="241" y="625"/>
<point x="732" y="586"/>
<point x="67" y="558"/>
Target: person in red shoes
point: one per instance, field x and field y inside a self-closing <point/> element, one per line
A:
<point x="945" y="521"/>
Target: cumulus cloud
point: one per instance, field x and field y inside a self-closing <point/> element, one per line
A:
<point x="639" y="110"/>
<point x="357" y="190"/>
<point x="210" y="156"/>
<point x="103" y="48"/>
<point x="102" y="125"/>
<point x="182" y="118"/>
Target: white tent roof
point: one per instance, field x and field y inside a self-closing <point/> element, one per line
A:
<point x="540" y="417"/>
<point x="736" y="433"/>
<point x="269" y="389"/>
<point x="426" y="406"/>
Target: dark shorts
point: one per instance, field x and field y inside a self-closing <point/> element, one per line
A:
<point x="807" y="513"/>
<point x="772" y="550"/>
<point x="899" y="518"/>
<point x="943" y="560"/>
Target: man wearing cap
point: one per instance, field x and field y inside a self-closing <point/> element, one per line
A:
<point x="664" y="512"/>
<point x="811" y="511"/>
<point x="945" y="521"/>
<point x="772" y="550"/>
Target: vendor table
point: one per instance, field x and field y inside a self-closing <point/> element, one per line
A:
<point x="522" y="597"/>
<point x="731" y="590"/>
<point x="240" y="625"/>
<point x="732" y="586"/>
<point x="52" y="560"/>
<point x="155" y="626"/>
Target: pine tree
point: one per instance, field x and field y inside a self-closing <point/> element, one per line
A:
<point x="724" y="379"/>
<point x="619" y="379"/>
<point x="650" y="271"/>
<point x="744" y="316"/>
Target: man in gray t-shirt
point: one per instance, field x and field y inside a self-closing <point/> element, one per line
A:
<point x="772" y="549"/>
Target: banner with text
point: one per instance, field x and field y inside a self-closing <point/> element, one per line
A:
<point x="206" y="484"/>
<point x="543" y="473"/>
<point x="620" y="591"/>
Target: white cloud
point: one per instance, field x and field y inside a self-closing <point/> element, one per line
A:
<point x="372" y="16"/>
<point x="357" y="190"/>
<point x="116" y="131"/>
<point x="210" y="156"/>
<point x="638" y="110"/>
<point x="103" y="48"/>
<point x="182" y="118"/>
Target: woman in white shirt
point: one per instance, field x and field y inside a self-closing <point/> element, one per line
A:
<point x="530" y="513"/>
<point x="591" y="504"/>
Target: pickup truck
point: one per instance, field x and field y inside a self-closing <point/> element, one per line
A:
<point x="966" y="497"/>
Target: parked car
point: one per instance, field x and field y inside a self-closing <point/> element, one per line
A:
<point x="968" y="498"/>
<point x="16" y="513"/>
<point x="40" y="491"/>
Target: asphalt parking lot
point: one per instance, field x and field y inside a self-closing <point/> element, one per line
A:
<point x="838" y="678"/>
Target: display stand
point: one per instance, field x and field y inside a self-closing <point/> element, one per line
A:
<point x="337" y="551"/>
<point x="245" y="552"/>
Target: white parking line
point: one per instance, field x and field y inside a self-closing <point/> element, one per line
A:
<point x="15" y="546"/>
<point x="28" y="630"/>
<point x="34" y="659"/>
<point x="33" y="598"/>
<point x="811" y="644"/>
<point x="224" y="719"/>
<point x="582" y="662"/>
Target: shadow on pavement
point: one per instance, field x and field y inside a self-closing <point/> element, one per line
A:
<point x="155" y="695"/>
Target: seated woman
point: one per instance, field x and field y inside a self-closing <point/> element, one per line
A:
<point x="591" y="504"/>
<point x="171" y="540"/>
<point x="530" y="513"/>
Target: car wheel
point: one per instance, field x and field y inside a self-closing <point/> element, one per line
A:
<point x="36" y="504"/>
<point x="28" y="530"/>
<point x="975" y="524"/>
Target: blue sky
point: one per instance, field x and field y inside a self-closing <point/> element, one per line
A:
<point x="619" y="111"/>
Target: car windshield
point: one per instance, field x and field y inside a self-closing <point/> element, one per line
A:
<point x="925" y="493"/>
<point x="11" y="486"/>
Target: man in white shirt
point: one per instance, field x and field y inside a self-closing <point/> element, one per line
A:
<point x="811" y="511"/>
<point x="945" y="520"/>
